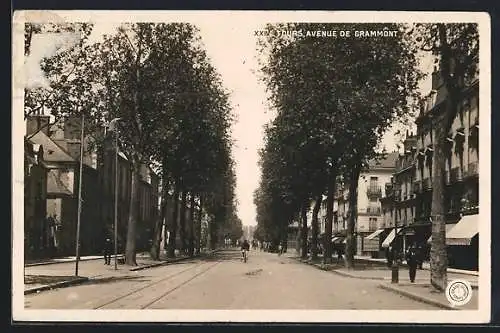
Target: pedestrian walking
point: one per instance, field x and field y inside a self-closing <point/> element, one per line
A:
<point x="420" y="256"/>
<point x="108" y="249"/>
<point x="340" y="253"/>
<point x="389" y="255"/>
<point x="412" y="261"/>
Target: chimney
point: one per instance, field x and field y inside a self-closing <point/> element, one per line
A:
<point x="37" y="123"/>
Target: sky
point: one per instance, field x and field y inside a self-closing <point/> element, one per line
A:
<point x="231" y="47"/>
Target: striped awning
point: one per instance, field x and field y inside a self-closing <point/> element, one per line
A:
<point x="448" y="228"/>
<point x="388" y="240"/>
<point x="337" y="239"/>
<point x="463" y="232"/>
<point x="374" y="234"/>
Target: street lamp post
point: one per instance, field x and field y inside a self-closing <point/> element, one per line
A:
<point x="77" y="250"/>
<point x="112" y="127"/>
<point x="395" y="260"/>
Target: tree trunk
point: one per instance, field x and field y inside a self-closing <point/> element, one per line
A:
<point x="439" y="256"/>
<point x="330" y="196"/>
<point x="315" y="227"/>
<point x="130" y="249"/>
<point x="353" y="216"/>
<point x="198" y="226"/>
<point x="191" y="229"/>
<point x="173" y="225"/>
<point x="155" y="248"/>
<point x="212" y="231"/>
<point x="303" y="232"/>
<point x="438" y="246"/>
<point x="182" y="222"/>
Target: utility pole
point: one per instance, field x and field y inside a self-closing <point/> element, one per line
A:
<point x="79" y="197"/>
<point x="112" y="127"/>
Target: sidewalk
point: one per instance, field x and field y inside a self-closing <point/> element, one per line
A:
<point x="424" y="292"/>
<point x="421" y="290"/>
<point x="61" y="273"/>
<point x="40" y="262"/>
<point x="425" y="265"/>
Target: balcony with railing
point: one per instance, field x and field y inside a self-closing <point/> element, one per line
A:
<point x="389" y="190"/>
<point x="455" y="175"/>
<point x="472" y="169"/>
<point x="374" y="191"/>
<point x="397" y="195"/>
<point x="417" y="186"/>
<point x="427" y="184"/>
<point x="373" y="210"/>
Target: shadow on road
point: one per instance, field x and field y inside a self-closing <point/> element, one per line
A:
<point x="47" y="279"/>
<point x="226" y="255"/>
<point x="112" y="279"/>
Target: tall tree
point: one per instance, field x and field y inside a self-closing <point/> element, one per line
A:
<point x="347" y="104"/>
<point x="456" y="47"/>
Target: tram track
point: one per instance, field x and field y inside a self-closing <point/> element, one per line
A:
<point x="136" y="292"/>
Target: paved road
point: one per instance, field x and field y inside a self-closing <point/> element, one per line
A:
<point x="266" y="281"/>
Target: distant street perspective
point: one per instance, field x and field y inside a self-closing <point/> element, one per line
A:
<point x="311" y="166"/>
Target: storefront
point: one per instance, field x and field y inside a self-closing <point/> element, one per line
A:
<point x="462" y="241"/>
<point x="372" y="243"/>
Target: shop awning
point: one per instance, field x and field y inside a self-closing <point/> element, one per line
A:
<point x="374" y="234"/>
<point x="463" y="231"/>
<point x="337" y="239"/>
<point x="448" y="228"/>
<point x="390" y="238"/>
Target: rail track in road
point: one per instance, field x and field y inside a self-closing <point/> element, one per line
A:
<point x="205" y="268"/>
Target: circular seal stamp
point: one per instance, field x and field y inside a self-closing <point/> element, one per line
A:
<point x="459" y="292"/>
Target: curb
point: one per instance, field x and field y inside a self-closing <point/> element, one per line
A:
<point x="64" y="262"/>
<point x="56" y="285"/>
<point x="162" y="263"/>
<point x="378" y="278"/>
<point x="166" y="262"/>
<point x="450" y="270"/>
<point x="353" y="276"/>
<point x="416" y="297"/>
<point x="80" y="280"/>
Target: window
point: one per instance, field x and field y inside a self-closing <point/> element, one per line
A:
<point x="372" y="223"/>
<point x="373" y="182"/>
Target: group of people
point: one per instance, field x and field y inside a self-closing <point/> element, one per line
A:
<point x="413" y="255"/>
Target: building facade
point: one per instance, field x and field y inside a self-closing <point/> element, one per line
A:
<point x="61" y="156"/>
<point x="408" y="202"/>
<point x="369" y="208"/>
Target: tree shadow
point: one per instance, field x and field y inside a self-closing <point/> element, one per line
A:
<point x="112" y="279"/>
<point x="224" y="256"/>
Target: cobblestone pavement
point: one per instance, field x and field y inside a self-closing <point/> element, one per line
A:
<point x="222" y="281"/>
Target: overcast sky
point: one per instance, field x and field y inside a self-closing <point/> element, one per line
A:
<point x="231" y="45"/>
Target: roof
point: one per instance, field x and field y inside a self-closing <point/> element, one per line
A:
<point x="52" y="152"/>
<point x="389" y="162"/>
<point x="55" y="185"/>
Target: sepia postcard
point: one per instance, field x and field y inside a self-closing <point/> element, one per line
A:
<point x="251" y="166"/>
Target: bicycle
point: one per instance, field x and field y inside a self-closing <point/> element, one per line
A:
<point x="244" y="257"/>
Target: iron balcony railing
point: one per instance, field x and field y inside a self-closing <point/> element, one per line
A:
<point x="373" y="210"/>
<point x="374" y="191"/>
<point x="417" y="186"/>
<point x="427" y="184"/>
<point x="472" y="169"/>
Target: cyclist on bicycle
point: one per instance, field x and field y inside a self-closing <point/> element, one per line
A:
<point x="245" y="246"/>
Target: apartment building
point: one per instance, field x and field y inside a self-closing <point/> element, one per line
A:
<point x="369" y="209"/>
<point x="60" y="146"/>
<point x="408" y="199"/>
